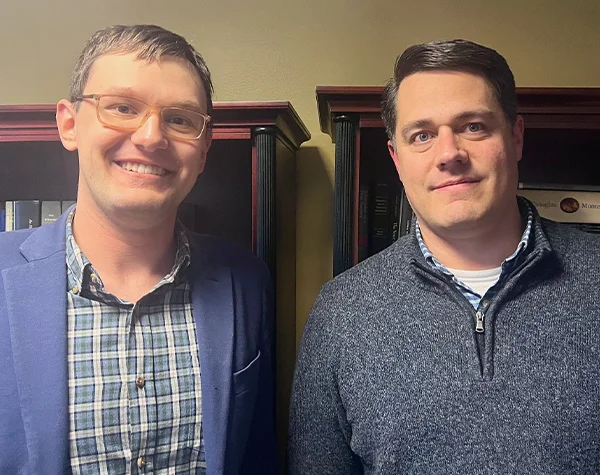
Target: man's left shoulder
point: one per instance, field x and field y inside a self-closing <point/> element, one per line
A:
<point x="576" y="249"/>
<point x="568" y="238"/>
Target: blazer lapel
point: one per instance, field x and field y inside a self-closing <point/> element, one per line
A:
<point x="36" y="304"/>
<point x="212" y="301"/>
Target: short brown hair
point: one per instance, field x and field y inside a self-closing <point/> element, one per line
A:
<point x="150" y="42"/>
<point x="453" y="55"/>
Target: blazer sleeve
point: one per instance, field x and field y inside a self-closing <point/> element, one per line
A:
<point x="260" y="457"/>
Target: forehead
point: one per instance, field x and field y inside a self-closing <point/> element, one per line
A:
<point x="433" y="94"/>
<point x="167" y="80"/>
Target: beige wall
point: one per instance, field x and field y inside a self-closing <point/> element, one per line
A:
<point x="279" y="50"/>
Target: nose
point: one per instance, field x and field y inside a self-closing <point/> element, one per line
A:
<point x="448" y="149"/>
<point x="150" y="134"/>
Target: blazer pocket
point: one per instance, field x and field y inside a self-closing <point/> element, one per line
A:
<point x="246" y="379"/>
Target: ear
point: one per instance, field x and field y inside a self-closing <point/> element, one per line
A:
<point x="394" y="156"/>
<point x="208" y="136"/>
<point x="65" y="120"/>
<point x="518" y="132"/>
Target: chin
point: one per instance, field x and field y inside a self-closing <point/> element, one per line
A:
<point x="139" y="207"/>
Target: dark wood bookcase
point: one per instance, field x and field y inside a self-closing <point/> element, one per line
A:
<point x="562" y="139"/>
<point x="246" y="193"/>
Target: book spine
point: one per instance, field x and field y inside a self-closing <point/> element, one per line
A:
<point x="406" y="217"/>
<point x="363" y="222"/>
<point x="27" y="214"/>
<point x="380" y="237"/>
<point x="2" y="220"/>
<point x="395" y="214"/>
<point x="51" y="211"/>
<point x="9" y="224"/>
<point x="65" y="205"/>
<point x="566" y="206"/>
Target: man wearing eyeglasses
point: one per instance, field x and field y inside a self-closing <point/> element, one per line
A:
<point x="128" y="344"/>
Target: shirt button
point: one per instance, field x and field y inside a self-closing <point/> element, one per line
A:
<point x="94" y="278"/>
<point x="75" y="289"/>
<point x="141" y="462"/>
<point x="140" y="381"/>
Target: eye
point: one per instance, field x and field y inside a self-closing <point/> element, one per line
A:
<point x="421" y="137"/>
<point x="475" y="127"/>
<point x="180" y="121"/>
<point x="122" y="109"/>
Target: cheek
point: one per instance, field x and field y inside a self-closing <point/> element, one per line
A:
<point x="504" y="165"/>
<point x="413" y="173"/>
<point x="101" y="142"/>
<point x="193" y="159"/>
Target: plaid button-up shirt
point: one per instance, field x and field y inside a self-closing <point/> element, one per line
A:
<point x="134" y="374"/>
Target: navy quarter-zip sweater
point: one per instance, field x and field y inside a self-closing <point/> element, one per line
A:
<point x="390" y="378"/>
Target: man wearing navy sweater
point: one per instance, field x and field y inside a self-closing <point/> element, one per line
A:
<point x="471" y="345"/>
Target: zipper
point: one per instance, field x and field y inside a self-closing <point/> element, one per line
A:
<point x="533" y="257"/>
<point x="479" y="316"/>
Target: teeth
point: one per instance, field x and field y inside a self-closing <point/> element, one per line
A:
<point x="143" y="169"/>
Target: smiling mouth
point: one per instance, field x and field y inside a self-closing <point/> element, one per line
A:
<point x="450" y="185"/>
<point x="142" y="169"/>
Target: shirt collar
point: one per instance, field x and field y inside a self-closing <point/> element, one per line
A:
<point x="508" y="262"/>
<point x="79" y="266"/>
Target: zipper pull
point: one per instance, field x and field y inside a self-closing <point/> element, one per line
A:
<point x="479" y="321"/>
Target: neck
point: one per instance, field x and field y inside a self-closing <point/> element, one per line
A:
<point x="130" y="257"/>
<point x="484" y="246"/>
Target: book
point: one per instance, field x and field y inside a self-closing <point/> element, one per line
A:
<point x="65" y="205"/>
<point x="9" y="219"/>
<point x="565" y="206"/>
<point x="406" y="215"/>
<point x="396" y="215"/>
<point x="27" y="214"/>
<point x="51" y="211"/>
<point x="578" y="209"/>
<point x="363" y="222"/>
<point x="380" y="235"/>
<point x="2" y="220"/>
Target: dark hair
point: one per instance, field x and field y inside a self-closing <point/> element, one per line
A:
<point x="454" y="55"/>
<point x="150" y="42"/>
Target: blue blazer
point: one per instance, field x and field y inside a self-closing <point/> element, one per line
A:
<point x="232" y="302"/>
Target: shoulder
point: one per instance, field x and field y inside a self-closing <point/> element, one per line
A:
<point x="576" y="249"/>
<point x="377" y="275"/>
<point x="566" y="240"/>
<point x="10" y="242"/>
<point x="345" y="303"/>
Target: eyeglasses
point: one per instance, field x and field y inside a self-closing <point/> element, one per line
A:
<point x="128" y="114"/>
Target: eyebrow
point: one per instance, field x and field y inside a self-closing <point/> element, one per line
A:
<point x="188" y="105"/>
<point x="466" y="115"/>
<point x="128" y="92"/>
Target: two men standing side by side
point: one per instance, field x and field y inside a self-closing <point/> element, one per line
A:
<point x="131" y="345"/>
<point x="470" y="345"/>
